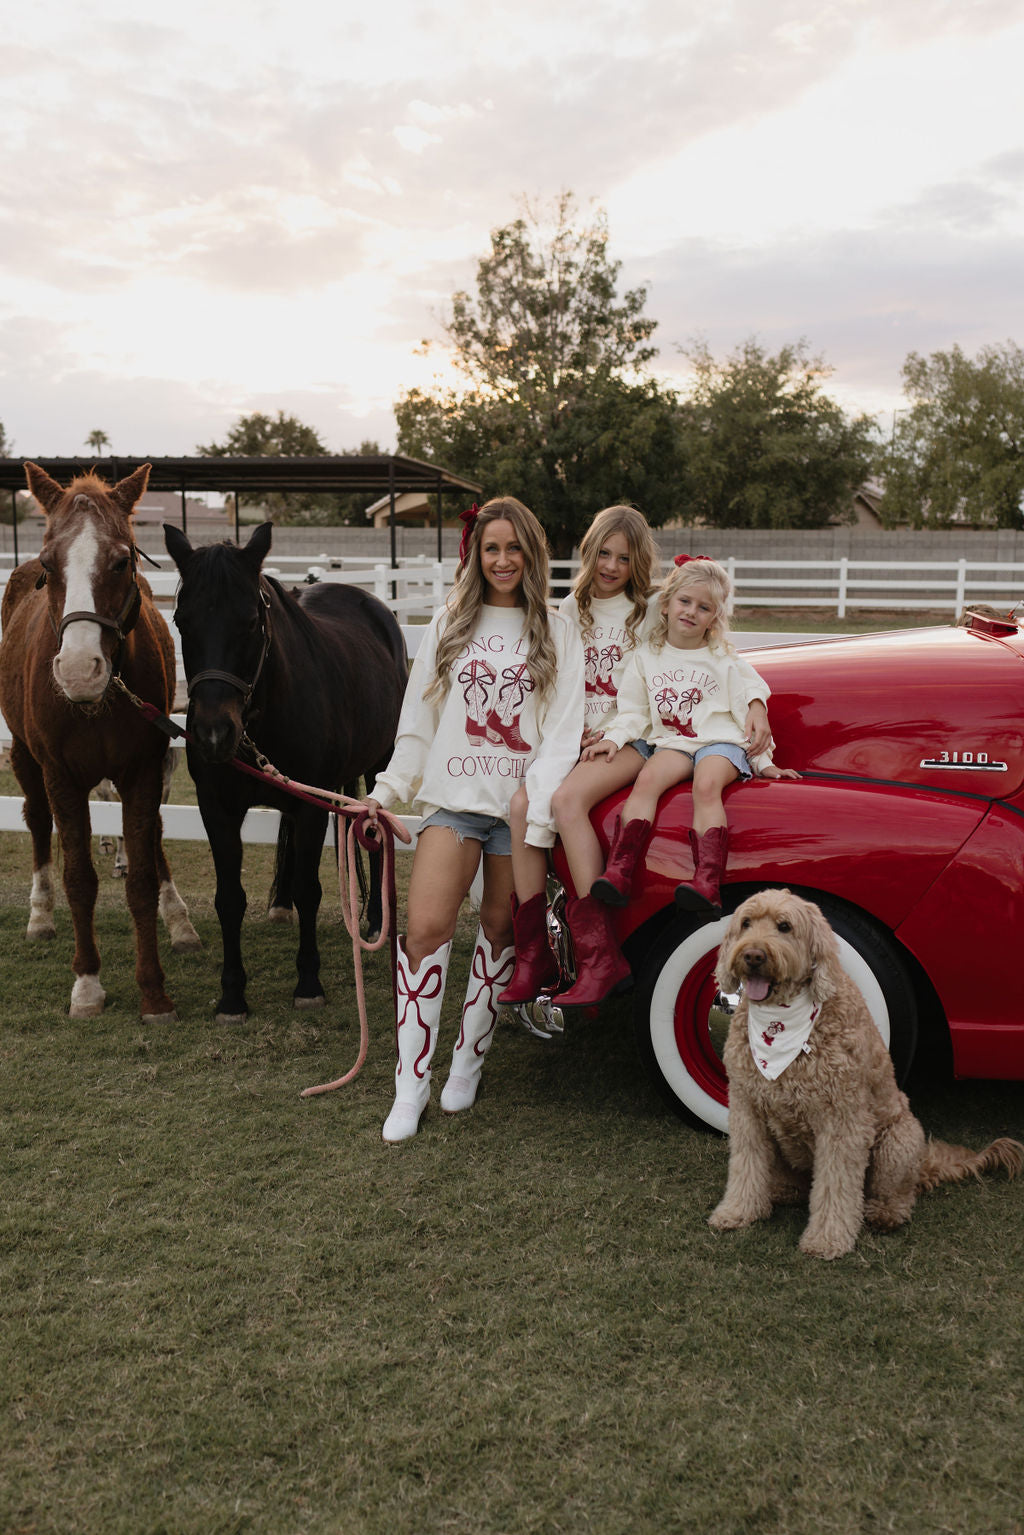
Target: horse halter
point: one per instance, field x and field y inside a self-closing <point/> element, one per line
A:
<point x="122" y="625"/>
<point x="212" y="674"/>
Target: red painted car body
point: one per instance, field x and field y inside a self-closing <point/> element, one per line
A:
<point x="910" y="814"/>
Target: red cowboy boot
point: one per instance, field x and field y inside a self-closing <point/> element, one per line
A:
<point x="629" y="844"/>
<point x="702" y="894"/>
<point x="503" y="720"/>
<point x="479" y="1015"/>
<point x="600" y="965"/>
<point x="475" y="680"/>
<point x="536" y="966"/>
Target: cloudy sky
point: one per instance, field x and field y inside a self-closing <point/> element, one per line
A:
<point x="211" y="207"/>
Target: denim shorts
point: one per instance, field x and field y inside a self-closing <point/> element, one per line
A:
<point x="643" y="747"/>
<point x="736" y="755"/>
<point x="493" y="833"/>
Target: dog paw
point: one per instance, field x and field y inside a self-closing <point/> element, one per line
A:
<point x="825" y="1247"/>
<point x="730" y="1220"/>
<point x="885" y="1217"/>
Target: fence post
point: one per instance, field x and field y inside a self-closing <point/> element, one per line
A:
<point x="380" y="582"/>
<point x="438" y="586"/>
<point x="961" y="587"/>
<point x="844" y="571"/>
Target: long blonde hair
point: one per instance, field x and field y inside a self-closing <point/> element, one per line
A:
<point x="698" y="572"/>
<point x="466" y="598"/>
<point x="643" y="565"/>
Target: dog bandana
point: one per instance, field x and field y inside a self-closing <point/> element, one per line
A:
<point x="780" y="1031"/>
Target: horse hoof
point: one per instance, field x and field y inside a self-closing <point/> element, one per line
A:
<point x="87" y="998"/>
<point x="187" y="945"/>
<point x="308" y="1002"/>
<point x="232" y="1017"/>
<point x="38" y="932"/>
<point x="280" y="914"/>
<point x="171" y="1017"/>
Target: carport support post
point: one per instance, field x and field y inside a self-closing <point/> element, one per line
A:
<point x="440" y="513"/>
<point x="14" y="522"/>
<point x="184" y="512"/>
<point x="392" y="525"/>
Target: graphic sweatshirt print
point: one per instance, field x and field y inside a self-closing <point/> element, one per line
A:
<point x="686" y="699"/>
<point x="472" y="749"/>
<point x="605" y="648"/>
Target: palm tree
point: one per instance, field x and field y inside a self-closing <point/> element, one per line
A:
<point x="98" y="440"/>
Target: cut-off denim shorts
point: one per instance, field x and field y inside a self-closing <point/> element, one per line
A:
<point x="492" y="833"/>
<point x="735" y="754"/>
<point x="643" y="747"/>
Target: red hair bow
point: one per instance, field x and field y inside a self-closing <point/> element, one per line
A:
<point x="469" y="518"/>
<point x="684" y="559"/>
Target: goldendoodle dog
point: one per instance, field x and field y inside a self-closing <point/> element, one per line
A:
<point x="814" y="1110"/>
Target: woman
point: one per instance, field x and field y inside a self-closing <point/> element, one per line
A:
<point x="495" y="699"/>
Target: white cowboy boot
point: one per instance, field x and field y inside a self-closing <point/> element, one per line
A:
<point x="420" y="996"/>
<point x="487" y="977"/>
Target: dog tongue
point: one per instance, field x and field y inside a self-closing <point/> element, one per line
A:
<point x="756" y="987"/>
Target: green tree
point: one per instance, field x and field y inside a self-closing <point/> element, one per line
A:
<point x="957" y="454"/>
<point x="285" y="436"/>
<point x="558" y="406"/>
<point x="97" y="440"/>
<point x="766" y="447"/>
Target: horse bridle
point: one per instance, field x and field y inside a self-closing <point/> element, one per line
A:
<point x="122" y="625"/>
<point x="212" y="674"/>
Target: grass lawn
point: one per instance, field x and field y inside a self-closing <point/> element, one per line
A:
<point x="227" y="1309"/>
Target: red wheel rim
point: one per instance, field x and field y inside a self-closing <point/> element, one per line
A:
<point x="693" y="1040"/>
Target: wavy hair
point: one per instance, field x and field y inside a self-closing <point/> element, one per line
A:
<point x="643" y="565"/>
<point x="466" y="598"/>
<point x="699" y="572"/>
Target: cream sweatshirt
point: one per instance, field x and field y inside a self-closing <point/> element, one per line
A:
<point x="606" y="648"/>
<point x="471" y="749"/>
<point x="685" y="699"/>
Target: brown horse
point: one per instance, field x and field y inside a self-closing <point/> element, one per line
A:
<point x="79" y="627"/>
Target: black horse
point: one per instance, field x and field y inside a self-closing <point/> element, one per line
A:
<point x="315" y="681"/>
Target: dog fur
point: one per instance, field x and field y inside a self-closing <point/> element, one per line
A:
<point x="833" y="1128"/>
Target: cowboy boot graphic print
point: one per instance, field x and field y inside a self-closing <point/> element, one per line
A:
<point x="503" y="720"/>
<point x="611" y="655"/>
<point x="476" y="680"/>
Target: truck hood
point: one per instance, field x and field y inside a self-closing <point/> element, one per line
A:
<point x="940" y="708"/>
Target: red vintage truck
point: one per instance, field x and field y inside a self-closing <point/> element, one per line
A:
<point x="907" y="829"/>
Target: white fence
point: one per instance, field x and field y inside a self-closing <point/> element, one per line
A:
<point x="417" y="587"/>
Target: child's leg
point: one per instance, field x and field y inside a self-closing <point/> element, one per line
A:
<point x="658" y="774"/>
<point x="572" y="802"/>
<point x="711" y="777"/>
<point x="529" y="864"/>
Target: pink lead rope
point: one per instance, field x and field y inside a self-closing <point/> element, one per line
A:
<point x="359" y="830"/>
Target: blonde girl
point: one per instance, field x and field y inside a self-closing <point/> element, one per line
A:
<point x="494" y="699"/>
<point x="611" y="604"/>
<point x="702" y="708"/>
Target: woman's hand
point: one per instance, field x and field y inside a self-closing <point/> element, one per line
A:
<point x="371" y="807"/>
<point x="600" y="748"/>
<point x="758" y="730"/>
<point x="590" y="738"/>
<point x="771" y="771"/>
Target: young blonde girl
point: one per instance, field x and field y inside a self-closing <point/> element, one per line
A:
<point x="611" y="604"/>
<point x="702" y="708"/>
<point x="495" y="698"/>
